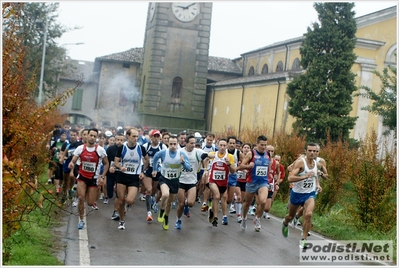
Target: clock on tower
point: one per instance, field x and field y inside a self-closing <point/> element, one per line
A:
<point x="173" y="74"/>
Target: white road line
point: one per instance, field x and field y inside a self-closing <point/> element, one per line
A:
<point x="84" y="244"/>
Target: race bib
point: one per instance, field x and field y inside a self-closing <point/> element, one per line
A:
<point x="89" y="166"/>
<point x="172" y="173"/>
<point x="261" y="171"/>
<point x="130" y="167"/>
<point x="241" y="175"/>
<point x="307" y="184"/>
<point x="219" y="175"/>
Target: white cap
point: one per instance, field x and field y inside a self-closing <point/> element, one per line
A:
<point x="197" y="135"/>
<point x="108" y="133"/>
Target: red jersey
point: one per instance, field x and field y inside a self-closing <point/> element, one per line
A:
<point x="219" y="170"/>
<point x="89" y="163"/>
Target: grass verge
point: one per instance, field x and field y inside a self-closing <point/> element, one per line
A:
<point x="33" y="243"/>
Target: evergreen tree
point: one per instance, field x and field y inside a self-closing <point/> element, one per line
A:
<point x="31" y="26"/>
<point x="321" y="98"/>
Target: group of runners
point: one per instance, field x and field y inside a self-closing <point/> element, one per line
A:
<point x="165" y="169"/>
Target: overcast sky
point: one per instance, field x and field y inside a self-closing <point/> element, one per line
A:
<point x="237" y="27"/>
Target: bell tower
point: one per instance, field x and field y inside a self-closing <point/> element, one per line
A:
<point x="175" y="65"/>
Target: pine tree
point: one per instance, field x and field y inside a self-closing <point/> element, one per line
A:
<point x="321" y="98"/>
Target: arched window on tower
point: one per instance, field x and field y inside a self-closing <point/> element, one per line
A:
<point x="176" y="87"/>
<point x="296" y="66"/>
<point x="279" y="67"/>
<point x="265" y="69"/>
<point x="251" y="71"/>
<point x="176" y="94"/>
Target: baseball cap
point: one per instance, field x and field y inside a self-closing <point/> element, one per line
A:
<point x="108" y="133"/>
<point x="198" y="141"/>
<point x="155" y="132"/>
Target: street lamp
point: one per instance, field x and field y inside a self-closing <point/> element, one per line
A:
<point x="71" y="44"/>
<point x="42" y="68"/>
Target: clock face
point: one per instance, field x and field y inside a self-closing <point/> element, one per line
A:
<point x="152" y="11"/>
<point x="185" y="11"/>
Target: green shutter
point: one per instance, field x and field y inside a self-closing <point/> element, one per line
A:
<point x="77" y="99"/>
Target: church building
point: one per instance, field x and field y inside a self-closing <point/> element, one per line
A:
<point x="172" y="82"/>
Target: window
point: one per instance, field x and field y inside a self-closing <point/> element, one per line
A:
<point x="251" y="71"/>
<point x="126" y="65"/>
<point x="265" y="69"/>
<point x="176" y="87"/>
<point x="79" y="119"/>
<point x="279" y="66"/>
<point x="77" y="99"/>
<point x="296" y="66"/>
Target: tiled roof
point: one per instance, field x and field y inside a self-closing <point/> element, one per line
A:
<point x="136" y="55"/>
<point x="277" y="44"/>
<point x="78" y="68"/>
<point x="223" y="65"/>
<point x="131" y="55"/>
<point x="254" y="78"/>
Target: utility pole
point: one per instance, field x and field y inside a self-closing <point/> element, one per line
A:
<point x="40" y="98"/>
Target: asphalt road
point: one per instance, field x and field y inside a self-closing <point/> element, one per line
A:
<point x="197" y="243"/>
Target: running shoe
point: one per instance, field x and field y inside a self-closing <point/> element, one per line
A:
<point x="303" y="243"/>
<point x="115" y="215"/>
<point x="58" y="190"/>
<point x="251" y="211"/>
<point x="232" y="210"/>
<point x="186" y="211"/>
<point x="178" y="224"/>
<point x="94" y="206"/>
<point x="198" y="200"/>
<point x="215" y="222"/>
<point x="142" y="197"/>
<point x="75" y="202"/>
<point x="165" y="224"/>
<point x="257" y="225"/>
<point x="106" y="200"/>
<point x="173" y="205"/>
<point x="243" y="224"/>
<point x="149" y="216"/>
<point x="266" y="215"/>
<point x="285" y="230"/>
<point x="121" y="225"/>
<point x="204" y="207"/>
<point x="155" y="208"/>
<point x="81" y="224"/>
<point x="295" y="222"/>
<point x="239" y="218"/>
<point x="49" y="181"/>
<point x="160" y="216"/>
<point x="210" y="215"/>
<point x="225" y="221"/>
<point x="101" y="196"/>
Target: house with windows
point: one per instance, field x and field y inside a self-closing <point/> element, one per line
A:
<point x="248" y="91"/>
